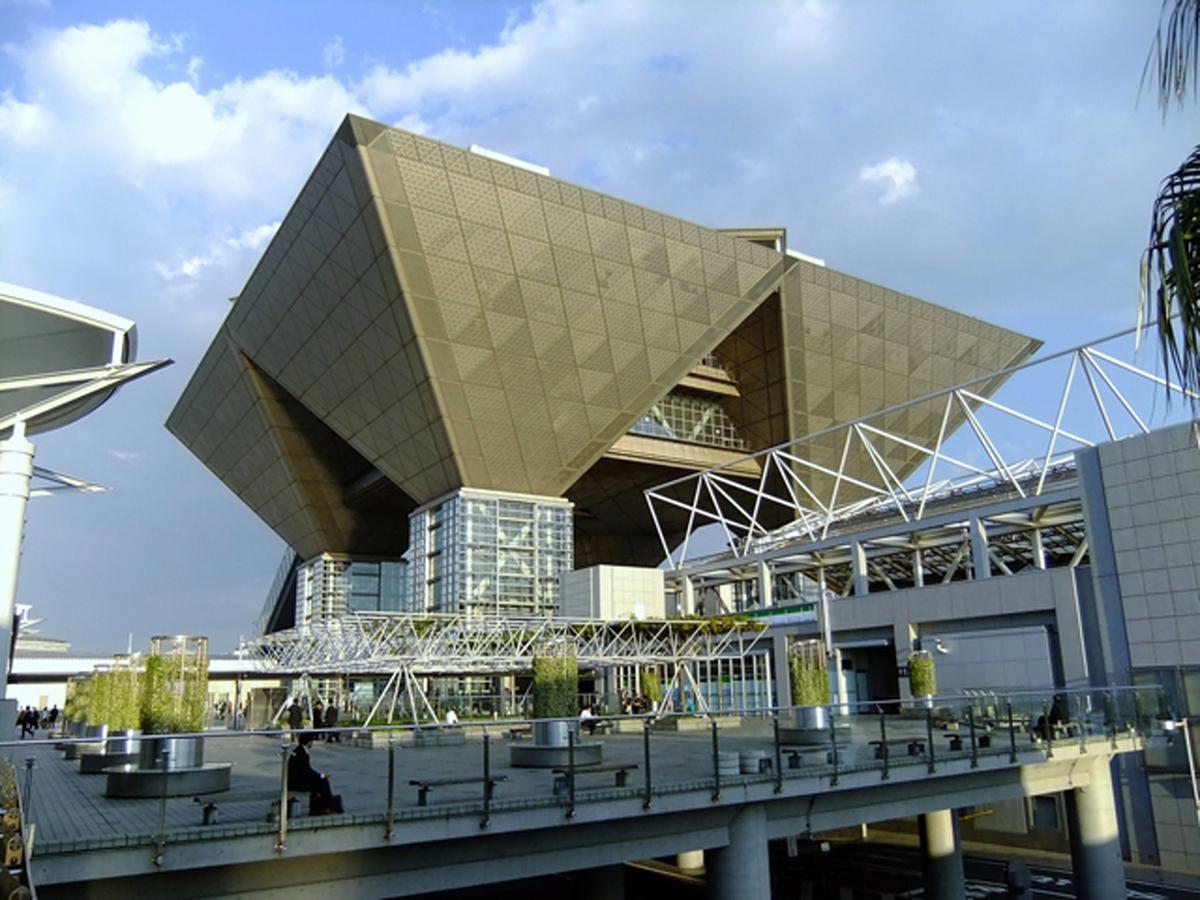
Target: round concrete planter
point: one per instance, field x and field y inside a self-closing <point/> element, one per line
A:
<point x="127" y="782"/>
<point x="93" y="763"/>
<point x="541" y="756"/>
<point x="74" y="751"/>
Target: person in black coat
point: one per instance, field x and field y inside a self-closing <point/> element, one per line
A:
<point x="330" y="721"/>
<point x="295" y="716"/>
<point x="303" y="777"/>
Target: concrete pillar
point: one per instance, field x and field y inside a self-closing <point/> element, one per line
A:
<point x="766" y="586"/>
<point x="691" y="862"/>
<point x="781" y="669"/>
<point x="687" y="598"/>
<point x="16" y="469"/>
<point x="941" y="856"/>
<point x="604" y="883"/>
<point x="981" y="563"/>
<point x="858" y="565"/>
<point x="837" y="677"/>
<point x="1095" y="843"/>
<point x="741" y="871"/>
<point x="1039" y="552"/>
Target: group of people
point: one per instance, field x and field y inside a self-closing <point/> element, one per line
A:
<point x="30" y="720"/>
<point x="322" y="716"/>
<point x="635" y="704"/>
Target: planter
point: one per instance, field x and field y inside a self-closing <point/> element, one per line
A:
<point x="552" y="733"/>
<point x="93" y="763"/>
<point x="439" y="737"/>
<point x="814" y="718"/>
<point x="95" y="732"/>
<point x="133" y="782"/>
<point x="74" y="751"/>
<point x="123" y="742"/>
<point x="535" y="756"/>
<point x="183" y="752"/>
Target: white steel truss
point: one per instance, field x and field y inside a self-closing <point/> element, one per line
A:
<point x="452" y="644"/>
<point x="1079" y="398"/>
<point x="410" y="647"/>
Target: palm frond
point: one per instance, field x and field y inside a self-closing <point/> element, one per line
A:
<point x="1170" y="272"/>
<point x="1175" y="53"/>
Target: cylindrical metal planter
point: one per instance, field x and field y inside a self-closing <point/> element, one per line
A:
<point x="96" y="732"/>
<point x="185" y="752"/>
<point x="552" y="732"/>
<point x="814" y="717"/>
<point x="122" y="741"/>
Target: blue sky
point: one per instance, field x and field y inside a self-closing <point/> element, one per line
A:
<point x="989" y="158"/>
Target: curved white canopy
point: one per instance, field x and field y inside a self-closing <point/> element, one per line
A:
<point x="59" y="359"/>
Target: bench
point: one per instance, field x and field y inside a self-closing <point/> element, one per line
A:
<point x="595" y="726"/>
<point x="912" y="746"/>
<point x="796" y="756"/>
<point x="520" y="732"/>
<point x="424" y="786"/>
<point x="620" y="777"/>
<point x="209" y="809"/>
<point x="956" y="741"/>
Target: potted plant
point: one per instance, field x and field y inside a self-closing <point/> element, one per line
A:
<point x="555" y="693"/>
<point x="174" y="690"/>
<point x="922" y="676"/>
<point x="652" y="686"/>
<point x="809" y="669"/>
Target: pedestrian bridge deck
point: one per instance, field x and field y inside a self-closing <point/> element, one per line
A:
<point x="81" y="834"/>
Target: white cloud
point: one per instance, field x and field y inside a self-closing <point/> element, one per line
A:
<point x="221" y="253"/>
<point x="334" y="53"/>
<point x="124" y="455"/>
<point x="897" y="176"/>
<point x="19" y="122"/>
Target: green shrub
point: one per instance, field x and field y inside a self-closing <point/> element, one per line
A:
<point x="922" y="674"/>
<point x="652" y="685"/>
<point x="810" y="674"/>
<point x="556" y="685"/>
<point x="174" y="694"/>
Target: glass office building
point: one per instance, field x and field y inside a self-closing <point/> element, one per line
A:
<point x="490" y="553"/>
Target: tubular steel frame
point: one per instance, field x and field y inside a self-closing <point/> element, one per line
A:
<point x="788" y="474"/>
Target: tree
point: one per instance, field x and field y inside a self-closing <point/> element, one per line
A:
<point x="1170" y="271"/>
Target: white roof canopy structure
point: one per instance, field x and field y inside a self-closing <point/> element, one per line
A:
<point x="59" y="359"/>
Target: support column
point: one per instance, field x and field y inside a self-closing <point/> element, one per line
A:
<point x="1039" y="552"/>
<point x="766" y="586"/>
<point x="16" y="469"/>
<point x="981" y="563"/>
<point x="781" y="670"/>
<point x="838" y="676"/>
<point x="1095" y="843"/>
<point x="918" y="568"/>
<point x="741" y="871"/>
<point x="687" y="598"/>
<point x="691" y="862"/>
<point x="941" y="856"/>
<point x="858" y="565"/>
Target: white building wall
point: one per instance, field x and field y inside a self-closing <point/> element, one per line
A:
<point x="613" y="592"/>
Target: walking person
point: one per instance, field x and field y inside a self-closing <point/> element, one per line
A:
<point x="295" y="717"/>
<point x="331" y="720"/>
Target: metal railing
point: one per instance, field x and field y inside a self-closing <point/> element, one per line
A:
<point x="793" y="750"/>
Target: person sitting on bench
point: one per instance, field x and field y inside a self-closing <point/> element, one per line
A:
<point x="587" y="720"/>
<point x="303" y="777"/>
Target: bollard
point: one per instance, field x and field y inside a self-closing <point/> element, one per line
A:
<point x="28" y="810"/>
<point x="929" y="736"/>
<point x="570" y="773"/>
<point x="974" y="741"/>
